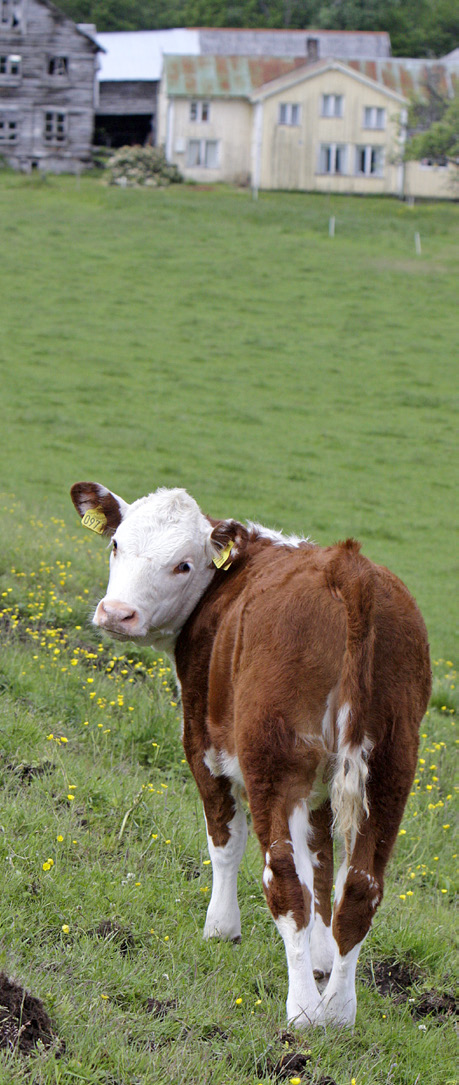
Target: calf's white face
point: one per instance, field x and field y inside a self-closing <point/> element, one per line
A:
<point x="160" y="564"/>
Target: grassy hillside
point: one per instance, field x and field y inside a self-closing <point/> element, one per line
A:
<point x="200" y="338"/>
<point x="195" y="337"/>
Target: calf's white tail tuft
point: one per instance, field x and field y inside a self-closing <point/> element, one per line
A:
<point x="348" y="791"/>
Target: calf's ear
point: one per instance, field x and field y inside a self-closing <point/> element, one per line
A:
<point x="228" y="541"/>
<point x="91" y="496"/>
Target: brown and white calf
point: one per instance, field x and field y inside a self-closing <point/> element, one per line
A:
<point x="305" y="674"/>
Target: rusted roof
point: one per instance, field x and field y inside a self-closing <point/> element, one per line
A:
<point x="410" y="77"/>
<point x="242" y="76"/>
<point x="223" y="76"/>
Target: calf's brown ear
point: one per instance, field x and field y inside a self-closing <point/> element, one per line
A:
<point x="228" y="541"/>
<point x="108" y="508"/>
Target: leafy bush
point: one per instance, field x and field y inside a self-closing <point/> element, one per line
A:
<point x="132" y="166"/>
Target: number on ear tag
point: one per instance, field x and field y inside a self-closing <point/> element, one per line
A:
<point x="95" y="520"/>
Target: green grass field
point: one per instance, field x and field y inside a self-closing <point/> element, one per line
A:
<point x="198" y="338"/>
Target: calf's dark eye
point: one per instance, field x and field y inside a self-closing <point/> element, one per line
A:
<point x="115" y="544"/>
<point x="184" y="567"/>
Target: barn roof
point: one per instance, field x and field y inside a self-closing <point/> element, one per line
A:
<point x="265" y="41"/>
<point x="138" y="54"/>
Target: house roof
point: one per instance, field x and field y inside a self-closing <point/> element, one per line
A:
<point x="311" y="71"/>
<point x="260" y="77"/>
<point x="223" y="76"/>
<point x="138" y="54"/>
<point x="411" y="77"/>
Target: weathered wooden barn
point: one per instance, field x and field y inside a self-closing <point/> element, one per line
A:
<point x="48" y="71"/>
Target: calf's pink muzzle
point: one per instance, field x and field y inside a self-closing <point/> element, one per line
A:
<point x="116" y="616"/>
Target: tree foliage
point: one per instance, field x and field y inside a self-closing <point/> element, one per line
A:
<point x="416" y="27"/>
<point x="439" y="141"/>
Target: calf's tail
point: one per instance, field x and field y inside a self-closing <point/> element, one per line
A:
<point x="350" y="578"/>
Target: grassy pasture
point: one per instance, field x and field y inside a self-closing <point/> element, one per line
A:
<point x="195" y="337"/>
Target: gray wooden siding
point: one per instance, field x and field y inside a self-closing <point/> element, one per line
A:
<point x="44" y="33"/>
<point x="125" y="97"/>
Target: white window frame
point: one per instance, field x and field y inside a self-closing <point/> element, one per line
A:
<point x="332" y="105"/>
<point x="9" y="128"/>
<point x="368" y="150"/>
<point x="12" y="64"/>
<point x="289" y="114"/>
<point x="333" y="151"/>
<point x="203" y="150"/>
<point x="200" y="111"/>
<point x="374" y="116"/>
<point x="55" y="129"/>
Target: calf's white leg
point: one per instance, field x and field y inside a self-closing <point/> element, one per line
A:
<point x="223" y="918"/>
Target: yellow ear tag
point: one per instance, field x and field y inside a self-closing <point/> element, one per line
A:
<point x="95" y="519"/>
<point x="223" y="556"/>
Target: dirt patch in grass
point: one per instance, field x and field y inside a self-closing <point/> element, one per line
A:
<point x="393" y="979"/>
<point x="396" y="980"/>
<point x="160" y="1009"/>
<point x="111" y="931"/>
<point x="25" y="772"/>
<point x="292" y="1063"/>
<point x="24" y="1023"/>
<point x="435" y="1004"/>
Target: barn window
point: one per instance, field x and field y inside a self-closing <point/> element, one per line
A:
<point x="10" y="65"/>
<point x="369" y="161"/>
<point x="58" y="66"/>
<point x="55" y="126"/>
<point x="332" y="105"/>
<point x="199" y="111"/>
<point x="8" y="130"/>
<point x="203" y="152"/>
<point x="289" y="113"/>
<point x="374" y="117"/>
<point x="312" y="48"/>
<point x="332" y="158"/>
<point x="10" y="13"/>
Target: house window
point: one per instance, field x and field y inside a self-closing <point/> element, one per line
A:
<point x="312" y="48"/>
<point x="289" y="113"/>
<point x="332" y="105"/>
<point x="211" y="154"/>
<point x="374" y="117"/>
<point x="8" y="130"/>
<point x="10" y="65"/>
<point x="58" y="66"/>
<point x="369" y="161"/>
<point x="10" y="13"/>
<point x="442" y="161"/>
<point x="199" y="111"/>
<point x="55" y="127"/>
<point x="332" y="158"/>
<point x="203" y="152"/>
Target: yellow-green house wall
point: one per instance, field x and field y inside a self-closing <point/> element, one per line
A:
<point x="289" y="155"/>
<point x="230" y="124"/>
